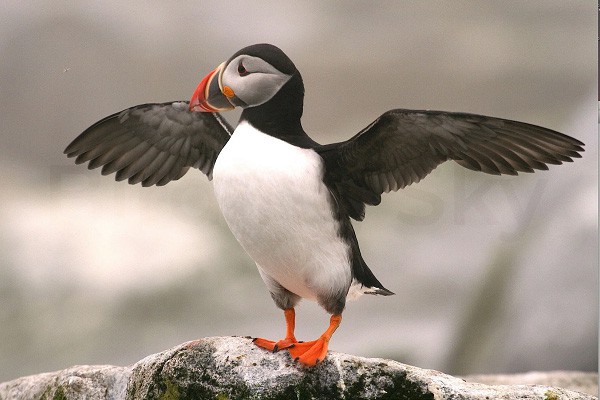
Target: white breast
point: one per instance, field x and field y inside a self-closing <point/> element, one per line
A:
<point x="275" y="202"/>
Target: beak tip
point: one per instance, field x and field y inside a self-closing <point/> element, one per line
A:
<point x="198" y="101"/>
<point x="195" y="105"/>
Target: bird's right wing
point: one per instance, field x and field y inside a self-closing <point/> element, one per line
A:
<point x="152" y="143"/>
<point x="403" y="146"/>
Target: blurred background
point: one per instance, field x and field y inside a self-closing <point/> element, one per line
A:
<point x="491" y="274"/>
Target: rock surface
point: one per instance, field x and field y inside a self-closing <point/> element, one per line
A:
<point x="233" y="368"/>
<point x="80" y="382"/>
<point x="578" y="381"/>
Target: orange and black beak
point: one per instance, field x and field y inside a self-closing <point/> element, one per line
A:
<point x="210" y="95"/>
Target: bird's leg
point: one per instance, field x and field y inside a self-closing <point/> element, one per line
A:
<point x="290" y="339"/>
<point x="311" y="353"/>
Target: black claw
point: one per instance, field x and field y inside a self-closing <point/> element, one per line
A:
<point x="254" y="339"/>
<point x="275" y="349"/>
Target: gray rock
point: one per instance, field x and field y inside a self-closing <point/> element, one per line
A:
<point x="79" y="382"/>
<point x="233" y="368"/>
<point x="572" y="380"/>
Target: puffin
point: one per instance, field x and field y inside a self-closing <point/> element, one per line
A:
<point x="288" y="200"/>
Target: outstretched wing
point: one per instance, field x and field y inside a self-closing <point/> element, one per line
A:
<point x="152" y="143"/>
<point x="403" y="146"/>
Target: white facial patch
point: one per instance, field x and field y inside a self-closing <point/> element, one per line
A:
<point x="258" y="82"/>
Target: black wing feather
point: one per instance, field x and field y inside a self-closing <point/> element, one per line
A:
<point x="401" y="147"/>
<point x="152" y="144"/>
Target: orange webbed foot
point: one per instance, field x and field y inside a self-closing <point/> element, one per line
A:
<point x="289" y="341"/>
<point x="310" y="353"/>
<point x="264" y="343"/>
<point x="313" y="352"/>
<point x="275" y="346"/>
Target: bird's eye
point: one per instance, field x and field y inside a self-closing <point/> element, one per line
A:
<point x="242" y="70"/>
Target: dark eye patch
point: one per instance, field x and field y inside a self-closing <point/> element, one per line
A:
<point x="242" y="70"/>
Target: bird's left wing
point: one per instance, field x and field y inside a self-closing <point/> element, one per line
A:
<point x="152" y="143"/>
<point x="403" y="146"/>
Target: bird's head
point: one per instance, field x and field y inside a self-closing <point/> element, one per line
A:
<point x="251" y="77"/>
